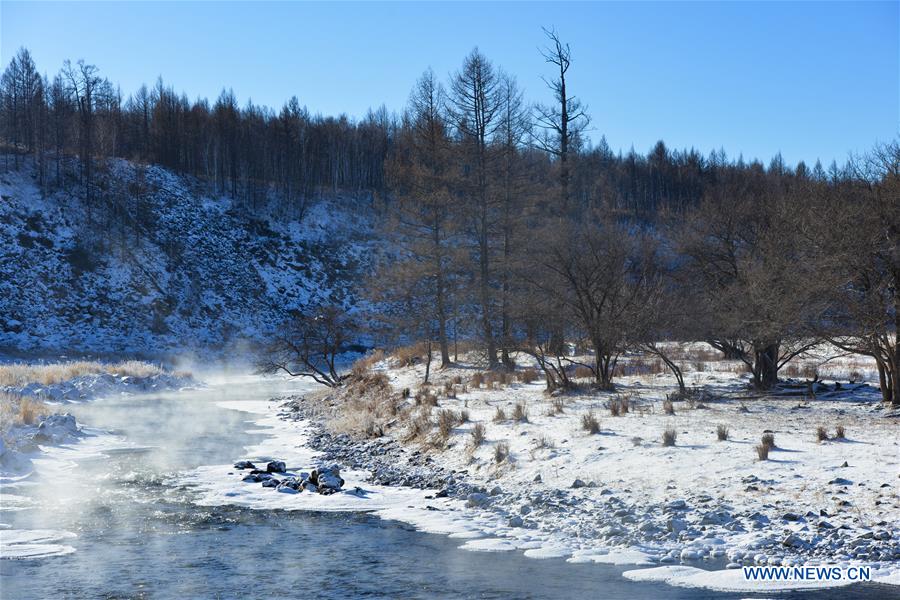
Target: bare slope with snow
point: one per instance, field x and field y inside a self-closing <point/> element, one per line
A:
<point x="194" y="272"/>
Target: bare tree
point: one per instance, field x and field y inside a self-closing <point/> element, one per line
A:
<point x="565" y="120"/>
<point x="309" y="345"/>
<point x="475" y="105"/>
<point x="423" y="217"/>
<point x="861" y="226"/>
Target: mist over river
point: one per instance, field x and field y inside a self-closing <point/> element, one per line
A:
<point x="138" y="533"/>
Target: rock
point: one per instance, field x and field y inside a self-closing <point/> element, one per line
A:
<point x="840" y="481"/>
<point x="537" y="478"/>
<point x="287" y="489"/>
<point x="792" y="541"/>
<point x="244" y="464"/>
<point x="790" y="516"/>
<point x="271" y="483"/>
<point x="328" y="479"/>
<point x="524" y="510"/>
<point x="578" y="484"/>
<point x="676" y="525"/>
<point x="715" y="518"/>
<point x="677" y="505"/>
<point x="310" y="487"/>
<point x="57" y="429"/>
<point x="516" y="521"/>
<point x="276" y="466"/>
<point x="845" y="464"/>
<point x="496" y="491"/>
<point x="441" y="494"/>
<point x="477" y="499"/>
<point x="251" y="478"/>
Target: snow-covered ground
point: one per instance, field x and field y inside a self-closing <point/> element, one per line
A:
<point x="620" y="496"/>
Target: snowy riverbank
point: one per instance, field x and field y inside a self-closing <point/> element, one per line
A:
<point x="618" y="496"/>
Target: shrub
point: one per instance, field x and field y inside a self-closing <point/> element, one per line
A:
<point x="762" y="452"/>
<point x="821" y="434"/>
<point x="520" y="413"/>
<point x="768" y="440"/>
<point x="614" y="407"/>
<point x="669" y="436"/>
<point x="476" y="380"/>
<point x="839" y="433"/>
<point x="425" y="397"/>
<point x="668" y="406"/>
<point x="446" y="420"/>
<point x="419" y="427"/>
<point x="722" y="432"/>
<point x="528" y="375"/>
<point x="545" y="442"/>
<point x="557" y="406"/>
<point x="457" y="379"/>
<point x="477" y="434"/>
<point x="499" y="415"/>
<point x="590" y="423"/>
<point x="501" y="452"/>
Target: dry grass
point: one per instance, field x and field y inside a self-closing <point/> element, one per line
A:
<point x="768" y="440"/>
<point x="20" y="374"/>
<point x="407" y="356"/>
<point x="368" y="405"/>
<point x="557" y="407"/>
<point x="478" y="433"/>
<point x="722" y="432"/>
<point x="501" y="452"/>
<point x="499" y="415"/>
<point x="668" y="407"/>
<point x="364" y="365"/>
<point x="425" y="397"/>
<point x="821" y="434"/>
<point x="582" y="372"/>
<point x="528" y="375"/>
<point x="590" y="423"/>
<point x="798" y="370"/>
<point x="446" y="421"/>
<point x="762" y="452"/>
<point x="18" y="410"/>
<point x="520" y="413"/>
<point x="646" y="366"/>
<point x="839" y="433"/>
<point x="669" y="436"/>
<point x="476" y="380"/>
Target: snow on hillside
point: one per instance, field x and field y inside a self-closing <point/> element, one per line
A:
<point x="198" y="273"/>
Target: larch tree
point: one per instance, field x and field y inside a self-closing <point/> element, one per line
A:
<point x="475" y="107"/>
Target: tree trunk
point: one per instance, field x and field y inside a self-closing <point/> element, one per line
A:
<point x="765" y="366"/>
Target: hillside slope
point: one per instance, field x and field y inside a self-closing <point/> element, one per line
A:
<point x="189" y="274"/>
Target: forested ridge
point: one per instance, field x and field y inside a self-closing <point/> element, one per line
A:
<point x="507" y="224"/>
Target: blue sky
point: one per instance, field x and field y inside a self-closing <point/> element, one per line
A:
<point x="811" y="80"/>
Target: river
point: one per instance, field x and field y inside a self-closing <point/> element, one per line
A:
<point x="138" y="534"/>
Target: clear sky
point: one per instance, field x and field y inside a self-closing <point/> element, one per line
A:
<point x="811" y="80"/>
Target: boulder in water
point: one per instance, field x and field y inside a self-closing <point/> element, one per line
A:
<point x="57" y="429"/>
<point x="244" y="464"/>
<point x="276" y="466"/>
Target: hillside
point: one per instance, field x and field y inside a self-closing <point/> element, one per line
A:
<point x="186" y="273"/>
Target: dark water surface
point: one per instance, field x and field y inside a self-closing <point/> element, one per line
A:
<point x="140" y="536"/>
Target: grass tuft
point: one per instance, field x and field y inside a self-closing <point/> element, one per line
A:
<point x="590" y="423"/>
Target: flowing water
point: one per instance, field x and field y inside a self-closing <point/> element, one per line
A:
<point x="138" y="535"/>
